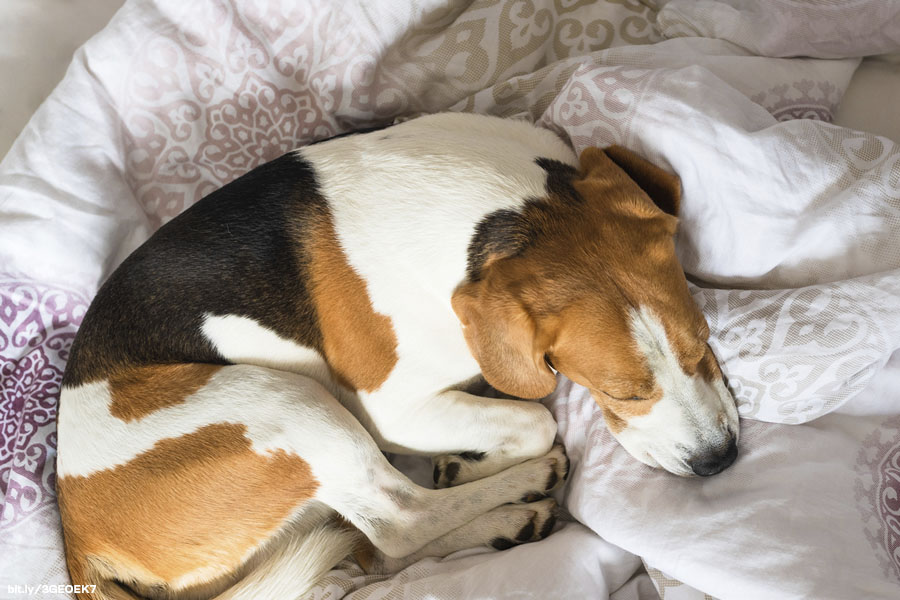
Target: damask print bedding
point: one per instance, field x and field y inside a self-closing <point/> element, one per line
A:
<point x="788" y="233"/>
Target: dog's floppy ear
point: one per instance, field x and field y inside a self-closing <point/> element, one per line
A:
<point x="503" y="339"/>
<point x="663" y="187"/>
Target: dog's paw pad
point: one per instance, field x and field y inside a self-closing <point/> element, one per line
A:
<point x="534" y="521"/>
<point x="547" y="512"/>
<point x="527" y="532"/>
<point x="552" y="480"/>
<point x="501" y="543"/>
<point x="531" y="497"/>
<point x="547" y="527"/>
<point x="557" y="464"/>
<point x="451" y="472"/>
<point x="447" y="468"/>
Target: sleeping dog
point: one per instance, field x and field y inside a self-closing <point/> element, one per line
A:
<point x="235" y="381"/>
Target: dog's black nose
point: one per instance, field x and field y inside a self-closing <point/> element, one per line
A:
<point x="714" y="462"/>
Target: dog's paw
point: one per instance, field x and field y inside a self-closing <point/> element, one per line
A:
<point x="520" y="523"/>
<point x="560" y="470"/>
<point x="454" y="469"/>
<point x="546" y="473"/>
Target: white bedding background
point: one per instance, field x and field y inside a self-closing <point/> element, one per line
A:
<point x="37" y="39"/>
<point x="789" y="234"/>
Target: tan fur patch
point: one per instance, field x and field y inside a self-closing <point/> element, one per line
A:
<point x="364" y="552"/>
<point x="140" y="391"/>
<point x="615" y="423"/>
<point x="359" y="344"/>
<point x="708" y="368"/>
<point x="663" y="187"/>
<point x="206" y="494"/>
<point x="623" y="410"/>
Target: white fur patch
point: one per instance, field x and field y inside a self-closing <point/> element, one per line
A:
<point x="91" y="439"/>
<point x="691" y="416"/>
<point x="243" y="340"/>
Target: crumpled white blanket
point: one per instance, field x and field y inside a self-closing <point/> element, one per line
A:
<point x="787" y="233"/>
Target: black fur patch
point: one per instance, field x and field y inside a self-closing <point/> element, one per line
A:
<point x="505" y="233"/>
<point x="559" y="178"/>
<point x="500" y="234"/>
<point x="238" y="251"/>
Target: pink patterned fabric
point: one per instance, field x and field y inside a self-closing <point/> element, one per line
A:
<point x="38" y="326"/>
<point x="878" y="492"/>
<point x="205" y="106"/>
<point x="889" y="505"/>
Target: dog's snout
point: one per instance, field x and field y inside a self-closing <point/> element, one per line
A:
<point x="711" y="463"/>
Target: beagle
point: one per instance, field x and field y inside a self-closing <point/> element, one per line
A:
<point x="235" y="381"/>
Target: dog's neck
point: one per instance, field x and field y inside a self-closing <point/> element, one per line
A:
<point x="447" y="190"/>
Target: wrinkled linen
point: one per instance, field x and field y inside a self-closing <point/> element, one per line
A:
<point x="788" y="234"/>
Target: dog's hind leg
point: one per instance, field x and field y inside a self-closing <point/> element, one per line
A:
<point x="183" y="481"/>
<point x="220" y="471"/>
<point x="396" y="515"/>
<point x="286" y="569"/>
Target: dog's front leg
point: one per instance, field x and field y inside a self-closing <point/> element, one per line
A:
<point x="503" y="527"/>
<point x="471" y="436"/>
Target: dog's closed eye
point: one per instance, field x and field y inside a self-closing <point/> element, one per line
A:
<point x="623" y="399"/>
<point x="550" y="363"/>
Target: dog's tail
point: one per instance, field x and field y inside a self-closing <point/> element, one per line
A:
<point x="289" y="569"/>
<point x="296" y="565"/>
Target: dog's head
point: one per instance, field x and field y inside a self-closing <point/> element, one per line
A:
<point x="586" y="281"/>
